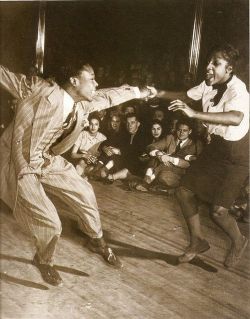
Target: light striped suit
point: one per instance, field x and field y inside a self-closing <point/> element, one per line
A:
<point x="32" y="168"/>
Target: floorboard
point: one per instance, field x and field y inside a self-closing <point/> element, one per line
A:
<point x="148" y="233"/>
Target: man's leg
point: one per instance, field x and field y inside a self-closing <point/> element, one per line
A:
<point x="189" y="207"/>
<point x="38" y="217"/>
<point x="169" y="178"/>
<point x="67" y="187"/>
<point x="225" y="221"/>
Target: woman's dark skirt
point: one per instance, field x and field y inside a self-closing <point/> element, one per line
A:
<point x="220" y="171"/>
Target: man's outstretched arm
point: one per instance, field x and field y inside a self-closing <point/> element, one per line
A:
<point x="106" y="98"/>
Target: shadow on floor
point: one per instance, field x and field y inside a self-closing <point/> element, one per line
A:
<point x="127" y="250"/>
<point x="23" y="282"/>
<point x="31" y="284"/>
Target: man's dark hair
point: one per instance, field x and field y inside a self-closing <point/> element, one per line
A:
<point x="184" y="121"/>
<point x="129" y="115"/>
<point x="229" y="53"/>
<point x="69" y="69"/>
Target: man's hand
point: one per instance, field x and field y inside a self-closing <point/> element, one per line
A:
<point x="178" y="105"/>
<point x="166" y="160"/>
<point x="115" y="150"/>
<point x="148" y="92"/>
<point x="90" y="159"/>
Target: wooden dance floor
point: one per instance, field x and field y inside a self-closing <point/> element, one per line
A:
<point x="148" y="233"/>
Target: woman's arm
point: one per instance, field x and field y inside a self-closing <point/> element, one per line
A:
<point x="224" y="118"/>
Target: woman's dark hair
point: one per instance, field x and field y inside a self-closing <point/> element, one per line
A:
<point x="229" y="53"/>
<point x="95" y="116"/>
<point x="159" y="123"/>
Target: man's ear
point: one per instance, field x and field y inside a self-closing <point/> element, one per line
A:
<point x="229" y="69"/>
<point x="190" y="132"/>
<point x="73" y="80"/>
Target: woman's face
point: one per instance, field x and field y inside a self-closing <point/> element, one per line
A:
<point x="218" y="70"/>
<point x="156" y="130"/>
<point x="93" y="126"/>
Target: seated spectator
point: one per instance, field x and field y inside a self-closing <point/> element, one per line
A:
<point x="156" y="133"/>
<point x="171" y="157"/>
<point x="110" y="148"/>
<point x="158" y="114"/>
<point x="133" y="146"/>
<point x="200" y="132"/>
<point x="103" y="120"/>
<point x="85" y="149"/>
<point x="128" y="108"/>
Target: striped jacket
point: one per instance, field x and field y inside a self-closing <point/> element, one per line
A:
<point x="27" y="142"/>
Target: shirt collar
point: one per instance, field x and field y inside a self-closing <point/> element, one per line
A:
<point x="181" y="142"/>
<point x="67" y="99"/>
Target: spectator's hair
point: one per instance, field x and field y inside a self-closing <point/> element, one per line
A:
<point x="229" y="53"/>
<point x="184" y="121"/>
<point x="132" y="115"/>
<point x="69" y="69"/>
<point x="95" y="116"/>
<point x="161" y="123"/>
<point x="128" y="105"/>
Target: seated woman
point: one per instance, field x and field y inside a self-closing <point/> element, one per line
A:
<point x="157" y="131"/>
<point x="85" y="149"/>
<point x="171" y="157"/>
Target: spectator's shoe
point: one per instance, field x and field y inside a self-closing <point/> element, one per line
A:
<point x="104" y="172"/>
<point x="109" y="179"/>
<point x="135" y="185"/>
<point x="159" y="189"/>
<point x="101" y="248"/>
<point x="48" y="272"/>
<point x="141" y="187"/>
<point x="235" y="253"/>
<point x="192" y="251"/>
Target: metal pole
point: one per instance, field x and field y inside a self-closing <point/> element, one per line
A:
<point x="194" y="51"/>
<point x="40" y="37"/>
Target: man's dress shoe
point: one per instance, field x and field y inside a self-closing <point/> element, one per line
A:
<point x="48" y="272"/>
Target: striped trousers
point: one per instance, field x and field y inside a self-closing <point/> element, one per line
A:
<point x="37" y="214"/>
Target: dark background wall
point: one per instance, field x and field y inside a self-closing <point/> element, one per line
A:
<point x="119" y="33"/>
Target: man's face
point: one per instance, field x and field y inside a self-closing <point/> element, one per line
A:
<point x="85" y="84"/>
<point x="156" y="130"/>
<point x="132" y="125"/>
<point x="218" y="70"/>
<point x="115" y="123"/>
<point x="93" y="126"/>
<point x="183" y="132"/>
<point x="129" y="110"/>
<point x="158" y="115"/>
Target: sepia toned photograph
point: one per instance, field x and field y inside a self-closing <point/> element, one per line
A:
<point x="124" y="160"/>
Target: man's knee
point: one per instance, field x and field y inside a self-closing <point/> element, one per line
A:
<point x="183" y="193"/>
<point x="219" y="212"/>
<point x="169" y="179"/>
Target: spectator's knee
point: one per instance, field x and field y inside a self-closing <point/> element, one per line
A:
<point x="168" y="180"/>
<point x="183" y="193"/>
<point x="218" y="212"/>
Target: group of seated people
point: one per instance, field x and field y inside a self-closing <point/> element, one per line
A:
<point x="152" y="152"/>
